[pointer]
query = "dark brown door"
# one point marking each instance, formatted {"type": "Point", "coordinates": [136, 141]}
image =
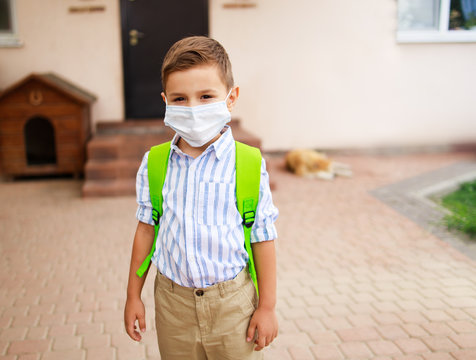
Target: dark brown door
{"type": "Point", "coordinates": [149, 28]}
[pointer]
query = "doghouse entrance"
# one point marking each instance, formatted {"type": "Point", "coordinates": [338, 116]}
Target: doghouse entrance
{"type": "Point", "coordinates": [40, 142]}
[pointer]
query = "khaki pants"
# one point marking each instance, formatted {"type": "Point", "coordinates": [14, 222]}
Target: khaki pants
{"type": "Point", "coordinates": [209, 323]}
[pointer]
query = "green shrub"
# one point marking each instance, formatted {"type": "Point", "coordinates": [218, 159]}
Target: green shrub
{"type": "Point", "coordinates": [462, 204]}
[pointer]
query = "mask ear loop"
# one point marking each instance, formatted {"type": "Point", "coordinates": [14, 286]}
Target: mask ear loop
{"type": "Point", "coordinates": [226, 99]}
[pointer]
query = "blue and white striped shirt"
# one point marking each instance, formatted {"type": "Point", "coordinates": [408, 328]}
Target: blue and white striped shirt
{"type": "Point", "coordinates": [200, 240]}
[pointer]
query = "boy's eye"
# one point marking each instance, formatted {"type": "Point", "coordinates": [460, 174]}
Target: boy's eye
{"type": "Point", "coordinates": [207, 97]}
{"type": "Point", "coordinates": [178, 99]}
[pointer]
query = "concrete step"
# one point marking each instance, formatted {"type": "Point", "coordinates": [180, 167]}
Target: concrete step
{"type": "Point", "coordinates": [109, 187]}
{"type": "Point", "coordinates": [123, 146]}
{"type": "Point", "coordinates": [116, 150]}
{"type": "Point", "coordinates": [111, 169]}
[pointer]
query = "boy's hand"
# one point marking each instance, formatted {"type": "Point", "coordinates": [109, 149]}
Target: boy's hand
{"type": "Point", "coordinates": [266, 323]}
{"type": "Point", "coordinates": [133, 310]}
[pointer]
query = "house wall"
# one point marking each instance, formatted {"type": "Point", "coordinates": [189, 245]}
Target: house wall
{"type": "Point", "coordinates": [329, 74]}
{"type": "Point", "coordinates": [319, 74]}
{"type": "Point", "coordinates": [85, 48]}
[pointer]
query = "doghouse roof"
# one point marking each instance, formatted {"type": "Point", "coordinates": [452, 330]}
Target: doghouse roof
{"type": "Point", "coordinates": [53, 80]}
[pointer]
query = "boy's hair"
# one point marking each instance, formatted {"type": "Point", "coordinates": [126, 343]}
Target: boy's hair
{"type": "Point", "coordinates": [197, 50]}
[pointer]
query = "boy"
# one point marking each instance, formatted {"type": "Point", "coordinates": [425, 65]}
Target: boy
{"type": "Point", "coordinates": [205, 301]}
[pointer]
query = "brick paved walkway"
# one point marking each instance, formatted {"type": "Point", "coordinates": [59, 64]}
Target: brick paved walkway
{"type": "Point", "coordinates": [357, 280]}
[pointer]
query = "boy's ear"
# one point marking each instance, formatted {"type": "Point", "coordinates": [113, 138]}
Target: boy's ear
{"type": "Point", "coordinates": [235, 92]}
{"type": "Point", "coordinates": [163, 96]}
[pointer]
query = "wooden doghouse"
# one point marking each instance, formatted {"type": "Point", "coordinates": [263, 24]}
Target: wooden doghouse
{"type": "Point", "coordinates": [44, 126]}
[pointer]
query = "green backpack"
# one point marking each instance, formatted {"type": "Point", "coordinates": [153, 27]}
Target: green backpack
{"type": "Point", "coordinates": [248, 174]}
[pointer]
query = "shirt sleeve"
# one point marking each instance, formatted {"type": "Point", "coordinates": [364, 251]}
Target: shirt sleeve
{"type": "Point", "coordinates": [144, 209]}
{"type": "Point", "coordinates": [266, 214]}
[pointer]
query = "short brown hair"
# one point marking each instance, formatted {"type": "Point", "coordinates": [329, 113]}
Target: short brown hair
{"type": "Point", "coordinates": [197, 50]}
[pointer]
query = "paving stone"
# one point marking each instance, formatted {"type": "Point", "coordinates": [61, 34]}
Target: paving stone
{"type": "Point", "coordinates": [79, 317]}
{"type": "Point", "coordinates": [463, 326]}
{"type": "Point", "coordinates": [4, 346]}
{"type": "Point", "coordinates": [439, 343]}
{"type": "Point", "coordinates": [358, 334]}
{"type": "Point", "coordinates": [414, 330]}
{"type": "Point", "coordinates": [28, 346]}
{"type": "Point", "coordinates": [5, 322]}
{"type": "Point", "coordinates": [392, 332]}
{"type": "Point", "coordinates": [29, 357]}
{"type": "Point", "coordinates": [64, 354]}
{"type": "Point", "coordinates": [411, 346]}
{"type": "Point", "coordinates": [61, 330]}
{"type": "Point", "coordinates": [336, 310]}
{"type": "Point", "coordinates": [284, 340]}
{"type": "Point", "coordinates": [370, 267]}
{"type": "Point", "coordinates": [335, 323]}
{"type": "Point", "coordinates": [327, 352]}
{"type": "Point", "coordinates": [461, 302]}
{"type": "Point", "coordinates": [30, 320]}
{"type": "Point", "coordinates": [458, 314]}
{"type": "Point", "coordinates": [386, 306]}
{"type": "Point", "coordinates": [41, 309]}
{"type": "Point", "coordinates": [469, 354]}
{"type": "Point", "coordinates": [86, 329]}
{"type": "Point", "coordinates": [52, 319]}
{"type": "Point", "coordinates": [324, 337]}
{"type": "Point", "coordinates": [355, 350]}
{"type": "Point", "coordinates": [106, 353]}
{"type": "Point", "coordinates": [96, 341]}
{"type": "Point", "coordinates": [464, 340]}
{"type": "Point", "coordinates": [412, 317]}
{"type": "Point", "coordinates": [300, 353]}
{"type": "Point", "coordinates": [66, 342]}
{"type": "Point", "coordinates": [436, 304]}
{"type": "Point", "coordinates": [15, 333]}
{"type": "Point", "coordinates": [278, 354]}
{"type": "Point", "coordinates": [37, 333]}
{"type": "Point", "coordinates": [386, 318]}
{"type": "Point", "coordinates": [407, 357]}
{"type": "Point", "coordinates": [437, 328]}
{"type": "Point", "coordinates": [436, 315]}
{"type": "Point", "coordinates": [383, 347]}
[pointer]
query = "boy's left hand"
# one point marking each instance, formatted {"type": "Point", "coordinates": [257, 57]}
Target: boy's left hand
{"type": "Point", "coordinates": [266, 323]}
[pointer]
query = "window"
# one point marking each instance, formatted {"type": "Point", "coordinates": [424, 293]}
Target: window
{"type": "Point", "coordinates": [8, 35]}
{"type": "Point", "coordinates": [436, 21]}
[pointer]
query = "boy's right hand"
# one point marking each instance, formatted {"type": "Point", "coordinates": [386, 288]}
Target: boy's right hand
{"type": "Point", "coordinates": [134, 310]}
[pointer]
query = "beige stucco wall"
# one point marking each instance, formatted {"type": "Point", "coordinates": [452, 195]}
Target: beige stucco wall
{"type": "Point", "coordinates": [83, 47]}
{"type": "Point", "coordinates": [329, 74]}
{"type": "Point", "coordinates": [319, 74]}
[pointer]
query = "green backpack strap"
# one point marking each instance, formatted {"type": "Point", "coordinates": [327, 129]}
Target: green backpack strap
{"type": "Point", "coordinates": [157, 169]}
{"type": "Point", "coordinates": [248, 175]}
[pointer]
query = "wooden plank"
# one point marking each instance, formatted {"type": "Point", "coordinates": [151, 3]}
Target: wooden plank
{"type": "Point", "coordinates": [23, 111]}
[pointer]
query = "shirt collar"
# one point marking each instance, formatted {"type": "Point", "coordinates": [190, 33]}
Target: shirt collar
{"type": "Point", "coordinates": [221, 146]}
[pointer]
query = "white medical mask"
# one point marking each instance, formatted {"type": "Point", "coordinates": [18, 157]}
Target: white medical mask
{"type": "Point", "coordinates": [199, 124]}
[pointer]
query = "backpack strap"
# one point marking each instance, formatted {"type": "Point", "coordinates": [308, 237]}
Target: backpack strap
{"type": "Point", "coordinates": [248, 175]}
{"type": "Point", "coordinates": [156, 169]}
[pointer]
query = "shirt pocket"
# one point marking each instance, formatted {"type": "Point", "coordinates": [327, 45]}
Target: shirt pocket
{"type": "Point", "coordinates": [217, 204]}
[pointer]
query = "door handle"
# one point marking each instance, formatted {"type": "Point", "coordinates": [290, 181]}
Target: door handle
{"type": "Point", "coordinates": [134, 36]}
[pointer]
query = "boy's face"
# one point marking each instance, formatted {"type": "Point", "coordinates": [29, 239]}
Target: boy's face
{"type": "Point", "coordinates": [198, 85]}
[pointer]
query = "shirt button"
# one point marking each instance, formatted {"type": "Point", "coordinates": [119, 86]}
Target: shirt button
{"type": "Point", "coordinates": [199, 292]}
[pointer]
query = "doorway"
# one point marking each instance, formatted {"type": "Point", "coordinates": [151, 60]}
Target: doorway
{"type": "Point", "coordinates": [149, 28]}
{"type": "Point", "coordinates": [39, 136]}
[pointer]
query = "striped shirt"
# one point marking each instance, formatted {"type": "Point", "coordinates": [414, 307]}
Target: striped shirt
{"type": "Point", "coordinates": [201, 240]}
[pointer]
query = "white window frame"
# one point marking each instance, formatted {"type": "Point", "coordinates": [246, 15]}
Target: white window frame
{"type": "Point", "coordinates": [10, 38]}
{"type": "Point", "coordinates": [441, 35]}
